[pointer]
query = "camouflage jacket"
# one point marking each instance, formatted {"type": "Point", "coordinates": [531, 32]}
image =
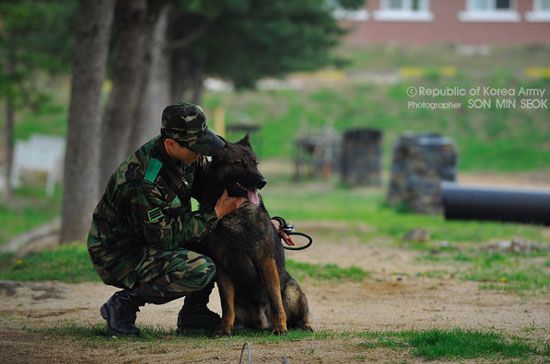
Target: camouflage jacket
{"type": "Point", "coordinates": [146, 206]}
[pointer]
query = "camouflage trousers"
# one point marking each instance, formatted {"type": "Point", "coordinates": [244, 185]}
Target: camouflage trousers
{"type": "Point", "coordinates": [163, 276]}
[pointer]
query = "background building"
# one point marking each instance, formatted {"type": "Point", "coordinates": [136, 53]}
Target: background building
{"type": "Point", "coordinates": [475, 22]}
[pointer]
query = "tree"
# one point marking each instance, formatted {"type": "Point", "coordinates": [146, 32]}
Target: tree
{"type": "Point", "coordinates": [34, 37]}
{"type": "Point", "coordinates": [82, 155]}
{"type": "Point", "coordinates": [154, 94]}
{"type": "Point", "coordinates": [240, 40]}
{"type": "Point", "coordinates": [243, 41]}
{"type": "Point", "coordinates": [133, 27]}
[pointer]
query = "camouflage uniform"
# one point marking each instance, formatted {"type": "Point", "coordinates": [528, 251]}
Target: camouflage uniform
{"type": "Point", "coordinates": [144, 219]}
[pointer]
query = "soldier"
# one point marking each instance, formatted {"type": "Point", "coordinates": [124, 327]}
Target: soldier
{"type": "Point", "coordinates": [143, 221]}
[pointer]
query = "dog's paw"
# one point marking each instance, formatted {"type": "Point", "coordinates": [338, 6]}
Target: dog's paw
{"type": "Point", "coordinates": [306, 327]}
{"type": "Point", "coordinates": [280, 331]}
{"type": "Point", "coordinates": [223, 331]}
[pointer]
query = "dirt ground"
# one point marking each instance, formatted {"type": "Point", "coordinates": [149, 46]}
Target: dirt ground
{"type": "Point", "coordinates": [392, 299]}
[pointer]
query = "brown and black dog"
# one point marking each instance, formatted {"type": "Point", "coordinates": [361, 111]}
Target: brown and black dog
{"type": "Point", "coordinates": [255, 289]}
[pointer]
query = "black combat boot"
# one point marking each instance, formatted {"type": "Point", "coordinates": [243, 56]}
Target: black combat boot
{"type": "Point", "coordinates": [120, 312]}
{"type": "Point", "coordinates": [195, 314]}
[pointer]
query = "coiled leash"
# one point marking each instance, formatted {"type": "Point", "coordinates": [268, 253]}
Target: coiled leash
{"type": "Point", "coordinates": [290, 230]}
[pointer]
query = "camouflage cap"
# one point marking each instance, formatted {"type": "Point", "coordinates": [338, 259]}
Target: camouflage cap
{"type": "Point", "coordinates": [186, 124]}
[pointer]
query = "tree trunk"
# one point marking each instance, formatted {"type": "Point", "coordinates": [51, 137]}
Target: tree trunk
{"type": "Point", "coordinates": [9, 68]}
{"type": "Point", "coordinates": [196, 83]}
{"type": "Point", "coordinates": [186, 72]}
{"type": "Point", "coordinates": [82, 154]}
{"type": "Point", "coordinates": [154, 89]}
{"type": "Point", "coordinates": [187, 78]}
{"type": "Point", "coordinates": [179, 65]}
{"type": "Point", "coordinates": [128, 70]}
{"type": "Point", "coordinates": [8, 147]}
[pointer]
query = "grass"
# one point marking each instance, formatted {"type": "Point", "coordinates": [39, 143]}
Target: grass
{"type": "Point", "coordinates": [29, 208]}
{"type": "Point", "coordinates": [300, 270]}
{"type": "Point", "coordinates": [439, 344]}
{"type": "Point", "coordinates": [68, 263]}
{"type": "Point", "coordinates": [517, 272]}
{"type": "Point", "coordinates": [71, 263]}
{"type": "Point", "coordinates": [325, 202]}
{"type": "Point", "coordinates": [488, 140]}
{"type": "Point", "coordinates": [98, 333]}
{"type": "Point", "coordinates": [501, 59]}
{"type": "Point", "coordinates": [464, 256]}
{"type": "Point", "coordinates": [49, 118]}
{"type": "Point", "coordinates": [435, 344]}
{"type": "Point", "coordinates": [461, 344]}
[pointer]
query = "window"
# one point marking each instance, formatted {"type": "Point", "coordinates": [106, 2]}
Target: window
{"type": "Point", "coordinates": [404, 10]}
{"type": "Point", "coordinates": [540, 13]}
{"type": "Point", "coordinates": [352, 15]}
{"type": "Point", "coordinates": [490, 10]}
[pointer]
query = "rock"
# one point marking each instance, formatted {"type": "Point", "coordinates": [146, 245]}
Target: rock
{"type": "Point", "coordinates": [9, 288]}
{"type": "Point", "coordinates": [49, 292]}
{"type": "Point", "coordinates": [419, 235]}
{"type": "Point", "coordinates": [444, 244]}
{"type": "Point", "coordinates": [516, 245]}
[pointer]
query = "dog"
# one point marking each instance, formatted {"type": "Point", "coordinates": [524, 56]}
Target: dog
{"type": "Point", "coordinates": [255, 289]}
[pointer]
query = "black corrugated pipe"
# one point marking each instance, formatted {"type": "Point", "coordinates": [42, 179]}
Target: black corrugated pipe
{"type": "Point", "coordinates": [489, 203]}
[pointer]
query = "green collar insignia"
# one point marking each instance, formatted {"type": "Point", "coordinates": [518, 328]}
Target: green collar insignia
{"type": "Point", "coordinates": [155, 215]}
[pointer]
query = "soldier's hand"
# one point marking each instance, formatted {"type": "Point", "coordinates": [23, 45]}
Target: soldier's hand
{"type": "Point", "coordinates": [286, 238]}
{"type": "Point", "coordinates": [227, 204]}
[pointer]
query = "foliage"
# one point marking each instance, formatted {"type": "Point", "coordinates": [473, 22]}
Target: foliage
{"type": "Point", "coordinates": [34, 35]}
{"type": "Point", "coordinates": [246, 40]}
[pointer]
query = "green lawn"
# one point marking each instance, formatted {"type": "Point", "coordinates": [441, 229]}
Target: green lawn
{"type": "Point", "coordinates": [30, 208]}
{"type": "Point", "coordinates": [327, 202]}
{"type": "Point", "coordinates": [490, 140]}
{"type": "Point", "coordinates": [494, 140]}
{"type": "Point", "coordinates": [463, 252]}
{"type": "Point", "coordinates": [71, 263]}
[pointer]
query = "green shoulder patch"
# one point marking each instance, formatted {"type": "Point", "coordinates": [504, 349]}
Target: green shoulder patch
{"type": "Point", "coordinates": [153, 169]}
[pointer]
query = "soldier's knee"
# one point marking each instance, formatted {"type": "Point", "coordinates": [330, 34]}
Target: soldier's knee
{"type": "Point", "coordinates": [210, 270]}
{"type": "Point", "coordinates": [201, 270]}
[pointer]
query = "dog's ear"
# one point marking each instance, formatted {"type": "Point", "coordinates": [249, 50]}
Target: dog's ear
{"type": "Point", "coordinates": [245, 140]}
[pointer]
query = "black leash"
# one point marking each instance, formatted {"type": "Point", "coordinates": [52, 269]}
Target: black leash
{"type": "Point", "coordinates": [290, 230]}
